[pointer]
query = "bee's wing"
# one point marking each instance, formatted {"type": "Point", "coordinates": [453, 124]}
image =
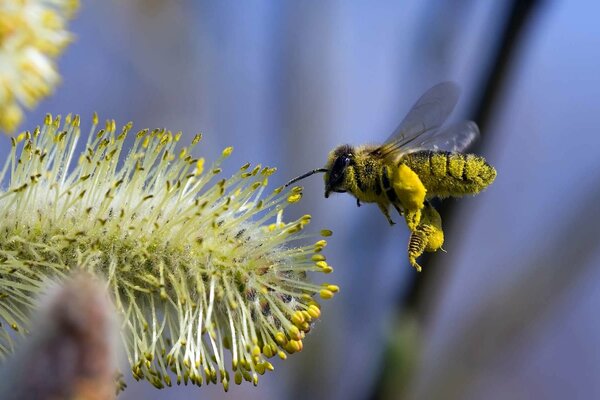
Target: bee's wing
{"type": "Point", "coordinates": [455, 138]}
{"type": "Point", "coordinates": [424, 118]}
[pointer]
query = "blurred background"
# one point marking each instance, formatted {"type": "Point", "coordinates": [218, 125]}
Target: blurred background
{"type": "Point", "coordinates": [510, 311]}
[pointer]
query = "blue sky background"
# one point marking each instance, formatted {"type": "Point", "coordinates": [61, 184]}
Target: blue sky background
{"type": "Point", "coordinates": [284, 82]}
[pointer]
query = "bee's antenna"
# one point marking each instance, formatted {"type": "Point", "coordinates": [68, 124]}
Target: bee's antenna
{"type": "Point", "coordinates": [314, 171]}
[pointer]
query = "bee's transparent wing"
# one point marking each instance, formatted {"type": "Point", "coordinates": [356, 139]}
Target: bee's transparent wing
{"type": "Point", "coordinates": [454, 138]}
{"type": "Point", "coordinates": [424, 118]}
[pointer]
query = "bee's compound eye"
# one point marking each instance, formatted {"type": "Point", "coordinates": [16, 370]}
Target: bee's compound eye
{"type": "Point", "coordinates": [346, 161]}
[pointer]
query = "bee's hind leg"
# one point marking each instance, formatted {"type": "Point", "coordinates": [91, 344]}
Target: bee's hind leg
{"type": "Point", "coordinates": [400, 211]}
{"type": "Point", "coordinates": [385, 211]}
{"type": "Point", "coordinates": [357, 202]}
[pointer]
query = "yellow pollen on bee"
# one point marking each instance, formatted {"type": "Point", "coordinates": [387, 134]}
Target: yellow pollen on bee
{"type": "Point", "coordinates": [408, 187]}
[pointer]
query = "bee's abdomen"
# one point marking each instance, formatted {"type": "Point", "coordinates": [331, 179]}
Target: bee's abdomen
{"type": "Point", "coordinates": [450, 174]}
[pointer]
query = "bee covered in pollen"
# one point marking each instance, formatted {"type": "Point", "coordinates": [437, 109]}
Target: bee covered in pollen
{"type": "Point", "coordinates": [420, 161]}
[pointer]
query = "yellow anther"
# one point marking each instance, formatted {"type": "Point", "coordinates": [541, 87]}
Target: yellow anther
{"type": "Point", "coordinates": [268, 171]}
{"type": "Point", "coordinates": [294, 229]}
{"type": "Point", "coordinates": [199, 167]}
{"type": "Point", "coordinates": [326, 232]}
{"type": "Point", "coordinates": [21, 137]}
{"type": "Point", "coordinates": [197, 138]}
{"type": "Point", "coordinates": [318, 257]}
{"type": "Point", "coordinates": [280, 338]}
{"type": "Point", "coordinates": [294, 198]}
{"type": "Point", "coordinates": [294, 332]}
{"type": "Point", "coordinates": [95, 118]}
{"type": "Point", "coordinates": [292, 346]}
{"type": "Point", "coordinates": [333, 288]}
{"type": "Point", "coordinates": [326, 294]}
{"type": "Point", "coordinates": [247, 376]}
{"type": "Point", "coordinates": [307, 316]}
{"type": "Point", "coordinates": [321, 243]}
{"type": "Point", "coordinates": [260, 368]}
{"type": "Point", "coordinates": [298, 318]}
{"type": "Point", "coordinates": [267, 351]}
{"type": "Point", "coordinates": [227, 151]}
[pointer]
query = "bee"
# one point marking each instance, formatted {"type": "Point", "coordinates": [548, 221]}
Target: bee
{"type": "Point", "coordinates": [421, 160]}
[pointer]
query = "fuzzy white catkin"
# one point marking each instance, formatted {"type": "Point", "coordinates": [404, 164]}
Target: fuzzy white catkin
{"type": "Point", "coordinates": [197, 266]}
{"type": "Point", "coordinates": [33, 33]}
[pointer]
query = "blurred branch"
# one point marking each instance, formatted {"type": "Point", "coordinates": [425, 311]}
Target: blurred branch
{"type": "Point", "coordinates": [519, 15]}
{"type": "Point", "coordinates": [71, 353]}
{"type": "Point", "coordinates": [491, 86]}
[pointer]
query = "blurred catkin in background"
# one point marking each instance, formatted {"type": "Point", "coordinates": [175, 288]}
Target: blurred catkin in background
{"type": "Point", "coordinates": [72, 351]}
{"type": "Point", "coordinates": [33, 33]}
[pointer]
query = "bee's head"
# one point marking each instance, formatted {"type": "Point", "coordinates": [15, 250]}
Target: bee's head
{"type": "Point", "coordinates": [338, 161]}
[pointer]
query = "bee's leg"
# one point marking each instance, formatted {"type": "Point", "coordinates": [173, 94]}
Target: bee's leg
{"type": "Point", "coordinates": [408, 188]}
{"type": "Point", "coordinates": [432, 221]}
{"type": "Point", "coordinates": [427, 236]}
{"type": "Point", "coordinates": [357, 202]}
{"type": "Point", "coordinates": [385, 211]}
{"type": "Point", "coordinates": [413, 219]}
{"type": "Point", "coordinates": [416, 246]}
{"type": "Point", "coordinates": [400, 211]}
